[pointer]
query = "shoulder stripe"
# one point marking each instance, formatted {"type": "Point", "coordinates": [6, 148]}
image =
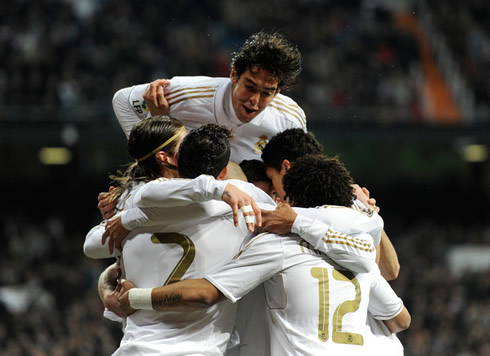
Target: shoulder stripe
{"type": "Point", "coordinates": [335, 237]}
{"type": "Point", "coordinates": [189, 93]}
{"type": "Point", "coordinates": [291, 109]}
{"type": "Point", "coordinates": [192, 97]}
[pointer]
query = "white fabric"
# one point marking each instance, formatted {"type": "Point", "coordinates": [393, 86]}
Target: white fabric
{"type": "Point", "coordinates": [181, 249]}
{"type": "Point", "coordinates": [92, 247]}
{"type": "Point", "coordinates": [347, 220]}
{"type": "Point", "coordinates": [155, 200]}
{"type": "Point", "coordinates": [380, 340]}
{"type": "Point", "coordinates": [200, 100]}
{"type": "Point", "coordinates": [301, 289]}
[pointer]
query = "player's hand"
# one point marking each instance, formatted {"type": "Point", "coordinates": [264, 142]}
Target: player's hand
{"type": "Point", "coordinates": [116, 232]}
{"type": "Point", "coordinates": [239, 200]}
{"type": "Point", "coordinates": [106, 205]}
{"type": "Point", "coordinates": [363, 195]}
{"type": "Point", "coordinates": [111, 302]}
{"type": "Point", "coordinates": [155, 97]}
{"type": "Point", "coordinates": [124, 296]}
{"type": "Point", "coordinates": [279, 221]}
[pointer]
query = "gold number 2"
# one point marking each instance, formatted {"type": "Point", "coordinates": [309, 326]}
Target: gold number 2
{"type": "Point", "coordinates": [187, 257]}
{"type": "Point", "coordinates": [348, 306]}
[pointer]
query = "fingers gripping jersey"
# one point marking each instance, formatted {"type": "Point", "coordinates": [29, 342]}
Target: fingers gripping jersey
{"type": "Point", "coordinates": [200, 100]}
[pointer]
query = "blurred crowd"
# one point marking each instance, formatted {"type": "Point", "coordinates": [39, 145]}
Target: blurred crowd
{"type": "Point", "coordinates": [465, 26]}
{"type": "Point", "coordinates": [49, 303]}
{"type": "Point", "coordinates": [64, 59]}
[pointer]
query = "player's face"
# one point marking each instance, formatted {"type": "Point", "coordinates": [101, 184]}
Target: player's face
{"type": "Point", "coordinates": [276, 178]}
{"type": "Point", "coordinates": [252, 92]}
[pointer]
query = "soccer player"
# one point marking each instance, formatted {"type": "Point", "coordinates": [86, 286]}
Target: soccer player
{"type": "Point", "coordinates": [281, 153]}
{"type": "Point", "coordinates": [249, 102]}
{"type": "Point", "coordinates": [196, 239]}
{"type": "Point", "coordinates": [314, 305]}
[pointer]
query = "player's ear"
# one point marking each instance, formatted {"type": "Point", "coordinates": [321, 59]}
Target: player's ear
{"type": "Point", "coordinates": [233, 76]}
{"type": "Point", "coordinates": [285, 165]}
{"type": "Point", "coordinates": [162, 156]}
{"type": "Point", "coordinates": [223, 173]}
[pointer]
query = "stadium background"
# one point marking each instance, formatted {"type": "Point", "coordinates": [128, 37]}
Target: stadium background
{"type": "Point", "coordinates": [399, 89]}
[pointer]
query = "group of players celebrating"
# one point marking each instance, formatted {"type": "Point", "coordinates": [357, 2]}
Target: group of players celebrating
{"type": "Point", "coordinates": [234, 234]}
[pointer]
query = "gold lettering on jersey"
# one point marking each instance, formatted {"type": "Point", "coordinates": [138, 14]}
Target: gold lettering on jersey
{"type": "Point", "coordinates": [349, 306]}
{"type": "Point", "coordinates": [187, 257]}
{"type": "Point", "coordinates": [260, 144]}
{"type": "Point", "coordinates": [323, 296]}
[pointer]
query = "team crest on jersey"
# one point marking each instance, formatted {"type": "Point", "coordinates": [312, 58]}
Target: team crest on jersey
{"type": "Point", "coordinates": [260, 144]}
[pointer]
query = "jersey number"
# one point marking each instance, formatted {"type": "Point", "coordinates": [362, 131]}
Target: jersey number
{"type": "Point", "coordinates": [188, 256]}
{"type": "Point", "coordinates": [349, 306]}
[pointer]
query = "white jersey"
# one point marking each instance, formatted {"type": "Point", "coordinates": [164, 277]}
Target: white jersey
{"type": "Point", "coordinates": [92, 247]}
{"type": "Point", "coordinates": [315, 307]}
{"type": "Point", "coordinates": [196, 101]}
{"type": "Point", "coordinates": [179, 251]}
{"type": "Point", "coordinates": [380, 340]}
{"type": "Point", "coordinates": [354, 252]}
{"type": "Point", "coordinates": [195, 241]}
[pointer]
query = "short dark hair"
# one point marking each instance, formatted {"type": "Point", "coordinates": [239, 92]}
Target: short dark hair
{"type": "Point", "coordinates": [290, 144]}
{"type": "Point", "coordinates": [205, 150]}
{"type": "Point", "coordinates": [270, 51]}
{"type": "Point", "coordinates": [254, 170]}
{"type": "Point", "coordinates": [316, 180]}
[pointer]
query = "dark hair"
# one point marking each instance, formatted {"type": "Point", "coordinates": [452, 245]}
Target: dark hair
{"type": "Point", "coordinates": [316, 180]}
{"type": "Point", "coordinates": [205, 150]}
{"type": "Point", "coordinates": [272, 52]}
{"type": "Point", "coordinates": [290, 144]}
{"type": "Point", "coordinates": [147, 135]}
{"type": "Point", "coordinates": [254, 170]}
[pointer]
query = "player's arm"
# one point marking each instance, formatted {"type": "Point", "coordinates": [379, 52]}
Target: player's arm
{"type": "Point", "coordinates": [128, 105]}
{"type": "Point", "coordinates": [387, 258]}
{"type": "Point", "coordinates": [400, 322]}
{"type": "Point", "coordinates": [186, 295]}
{"type": "Point", "coordinates": [232, 281]}
{"type": "Point", "coordinates": [172, 193]}
{"type": "Point", "coordinates": [109, 290]}
{"type": "Point", "coordinates": [138, 102]}
{"type": "Point", "coordinates": [94, 245]}
{"type": "Point", "coordinates": [385, 305]}
{"type": "Point", "coordinates": [356, 252]}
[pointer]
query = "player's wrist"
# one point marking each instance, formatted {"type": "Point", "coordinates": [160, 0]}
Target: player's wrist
{"type": "Point", "coordinates": [140, 298]}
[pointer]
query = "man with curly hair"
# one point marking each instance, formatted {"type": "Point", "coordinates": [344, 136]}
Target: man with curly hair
{"type": "Point", "coordinates": [249, 101]}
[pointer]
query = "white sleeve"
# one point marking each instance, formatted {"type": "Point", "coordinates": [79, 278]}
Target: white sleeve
{"type": "Point", "coordinates": [384, 304]}
{"type": "Point", "coordinates": [356, 252]}
{"type": "Point", "coordinates": [258, 261]}
{"type": "Point", "coordinates": [179, 192]}
{"type": "Point", "coordinates": [192, 213]}
{"type": "Point", "coordinates": [128, 105]}
{"type": "Point", "coordinates": [93, 248]}
{"type": "Point", "coordinates": [347, 220]}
